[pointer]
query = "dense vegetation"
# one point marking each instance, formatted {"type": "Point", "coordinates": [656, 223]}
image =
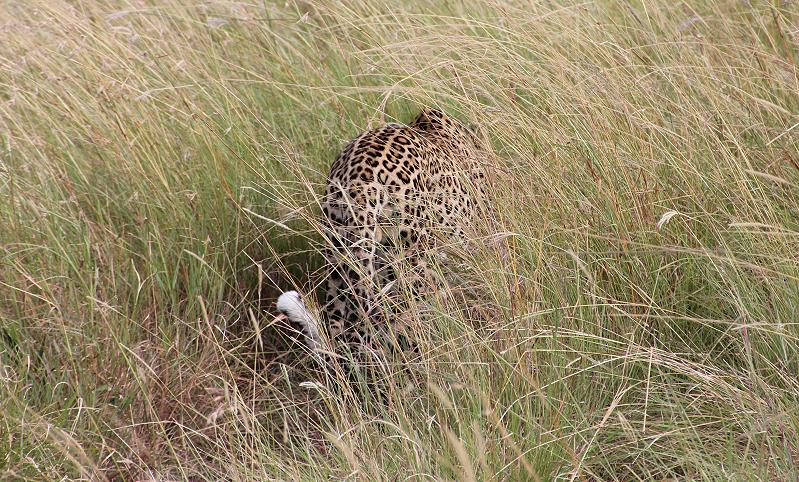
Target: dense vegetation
{"type": "Point", "coordinates": [159, 166]}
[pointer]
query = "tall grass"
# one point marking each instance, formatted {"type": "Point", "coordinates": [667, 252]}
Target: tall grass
{"type": "Point", "coordinates": [159, 168]}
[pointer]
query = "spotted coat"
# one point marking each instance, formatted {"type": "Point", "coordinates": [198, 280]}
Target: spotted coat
{"type": "Point", "coordinates": [393, 194]}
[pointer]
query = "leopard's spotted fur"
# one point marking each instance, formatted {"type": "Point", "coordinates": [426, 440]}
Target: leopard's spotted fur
{"type": "Point", "coordinates": [392, 194]}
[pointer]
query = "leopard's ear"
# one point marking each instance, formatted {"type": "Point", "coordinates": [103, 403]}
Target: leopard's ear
{"type": "Point", "coordinates": [432, 113]}
{"type": "Point", "coordinates": [430, 117]}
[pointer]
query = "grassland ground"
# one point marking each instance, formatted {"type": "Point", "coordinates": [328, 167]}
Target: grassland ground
{"type": "Point", "coordinates": [160, 166]}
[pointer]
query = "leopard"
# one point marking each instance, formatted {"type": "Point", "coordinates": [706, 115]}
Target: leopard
{"type": "Point", "coordinates": [393, 195]}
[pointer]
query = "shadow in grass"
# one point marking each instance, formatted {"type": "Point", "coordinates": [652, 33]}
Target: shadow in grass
{"type": "Point", "coordinates": [286, 263]}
